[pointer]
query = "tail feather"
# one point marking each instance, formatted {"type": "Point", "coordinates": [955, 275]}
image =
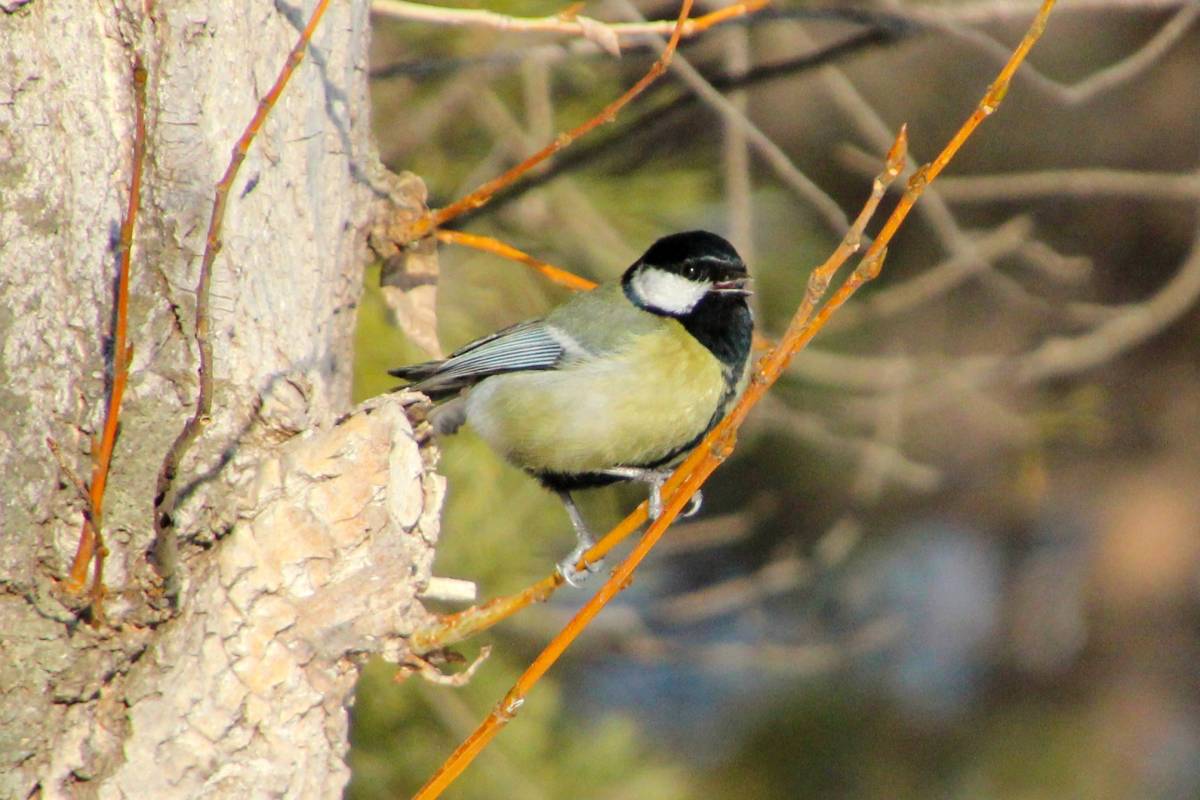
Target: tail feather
{"type": "Point", "coordinates": [425, 378]}
{"type": "Point", "coordinates": [416, 372]}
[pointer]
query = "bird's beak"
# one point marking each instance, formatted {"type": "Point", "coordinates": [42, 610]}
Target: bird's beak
{"type": "Point", "coordinates": [735, 286]}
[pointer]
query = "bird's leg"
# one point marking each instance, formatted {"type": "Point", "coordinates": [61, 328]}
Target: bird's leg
{"type": "Point", "coordinates": [655, 478]}
{"type": "Point", "coordinates": [586, 541]}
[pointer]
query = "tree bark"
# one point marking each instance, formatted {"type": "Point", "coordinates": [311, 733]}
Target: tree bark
{"type": "Point", "coordinates": [300, 553]}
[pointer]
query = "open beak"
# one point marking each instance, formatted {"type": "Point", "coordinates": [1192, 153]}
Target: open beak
{"type": "Point", "coordinates": [735, 286]}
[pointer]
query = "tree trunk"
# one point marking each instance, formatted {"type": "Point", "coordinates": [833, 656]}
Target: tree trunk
{"type": "Point", "coordinates": [299, 553]}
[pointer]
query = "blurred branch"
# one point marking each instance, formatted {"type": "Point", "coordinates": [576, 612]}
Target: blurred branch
{"type": "Point", "coordinates": [1100, 81]}
{"type": "Point", "coordinates": [898, 298]}
{"type": "Point", "coordinates": [1117, 330]}
{"type": "Point", "coordinates": [1135, 323]}
{"type": "Point", "coordinates": [889, 459]}
{"type": "Point", "coordinates": [1134, 64]}
{"type": "Point", "coordinates": [1042, 184]}
{"type": "Point", "coordinates": [606, 34]}
{"type": "Point", "coordinates": [877, 462]}
{"type": "Point", "coordinates": [980, 11]}
{"type": "Point", "coordinates": [1057, 267]}
{"type": "Point", "coordinates": [735, 153]}
{"type": "Point", "coordinates": [812, 658]}
{"type": "Point", "coordinates": [778, 575]}
{"type": "Point", "coordinates": [1018, 186]}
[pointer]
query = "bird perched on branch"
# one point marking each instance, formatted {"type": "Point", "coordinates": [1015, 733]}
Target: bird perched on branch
{"type": "Point", "coordinates": [616, 384]}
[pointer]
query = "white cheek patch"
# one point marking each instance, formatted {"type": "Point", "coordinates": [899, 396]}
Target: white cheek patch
{"type": "Point", "coordinates": [667, 291]}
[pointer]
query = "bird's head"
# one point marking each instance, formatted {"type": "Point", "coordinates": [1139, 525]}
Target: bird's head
{"type": "Point", "coordinates": [680, 271]}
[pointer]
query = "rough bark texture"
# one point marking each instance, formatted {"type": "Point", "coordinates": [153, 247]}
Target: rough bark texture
{"type": "Point", "coordinates": [294, 555]}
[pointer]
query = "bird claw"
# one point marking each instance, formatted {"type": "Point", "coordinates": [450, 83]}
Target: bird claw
{"type": "Point", "coordinates": [570, 571]}
{"type": "Point", "coordinates": [654, 504]}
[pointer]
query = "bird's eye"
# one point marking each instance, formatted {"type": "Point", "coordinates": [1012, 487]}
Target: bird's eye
{"type": "Point", "coordinates": [691, 272]}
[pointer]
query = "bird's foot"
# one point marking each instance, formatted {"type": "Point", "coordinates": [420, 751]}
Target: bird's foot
{"type": "Point", "coordinates": [655, 503]}
{"type": "Point", "coordinates": [569, 566]}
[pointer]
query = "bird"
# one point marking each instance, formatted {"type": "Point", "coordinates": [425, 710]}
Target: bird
{"type": "Point", "coordinates": [619, 383]}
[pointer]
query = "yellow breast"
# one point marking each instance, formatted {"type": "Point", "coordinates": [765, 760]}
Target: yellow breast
{"type": "Point", "coordinates": [631, 408]}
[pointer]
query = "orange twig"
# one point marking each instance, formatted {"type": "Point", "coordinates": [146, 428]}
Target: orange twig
{"type": "Point", "coordinates": [489, 244]}
{"type": "Point", "coordinates": [165, 545]}
{"type": "Point", "coordinates": [91, 542]}
{"type": "Point", "coordinates": [484, 193]}
{"type": "Point", "coordinates": [719, 443]}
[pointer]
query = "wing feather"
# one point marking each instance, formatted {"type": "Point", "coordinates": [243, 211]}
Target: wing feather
{"type": "Point", "coordinates": [530, 345]}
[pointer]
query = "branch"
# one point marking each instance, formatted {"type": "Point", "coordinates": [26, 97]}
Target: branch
{"type": "Point", "coordinates": [1051, 183]}
{"type": "Point", "coordinates": [165, 496]}
{"type": "Point", "coordinates": [606, 34]}
{"type": "Point", "coordinates": [1135, 323]}
{"type": "Point", "coordinates": [91, 541]}
{"type": "Point", "coordinates": [492, 245]}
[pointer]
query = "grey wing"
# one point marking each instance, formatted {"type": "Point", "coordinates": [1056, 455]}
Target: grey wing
{"type": "Point", "coordinates": [530, 345]}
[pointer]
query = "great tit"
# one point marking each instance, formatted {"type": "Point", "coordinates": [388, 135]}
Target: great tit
{"type": "Point", "coordinates": [619, 383]}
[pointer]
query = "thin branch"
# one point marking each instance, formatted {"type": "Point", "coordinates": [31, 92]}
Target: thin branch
{"type": "Point", "coordinates": [1040, 185]}
{"type": "Point", "coordinates": [165, 498]}
{"type": "Point", "coordinates": [605, 34]}
{"type": "Point", "coordinates": [489, 244]}
{"type": "Point", "coordinates": [735, 152]}
{"type": "Point", "coordinates": [719, 443]}
{"type": "Point", "coordinates": [80, 486]}
{"type": "Point", "coordinates": [977, 12]}
{"type": "Point", "coordinates": [891, 460]}
{"type": "Point", "coordinates": [778, 575]}
{"type": "Point", "coordinates": [943, 276]}
{"type": "Point", "coordinates": [1136, 323]}
{"type": "Point", "coordinates": [91, 540]}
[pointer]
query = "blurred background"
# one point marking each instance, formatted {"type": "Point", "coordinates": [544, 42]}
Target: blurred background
{"type": "Point", "coordinates": [957, 552]}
